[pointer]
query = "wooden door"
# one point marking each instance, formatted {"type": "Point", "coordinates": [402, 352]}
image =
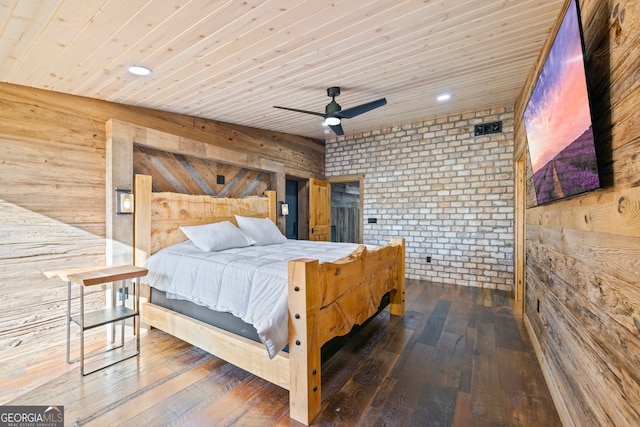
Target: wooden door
{"type": "Point", "coordinates": [291, 199]}
{"type": "Point", "coordinates": [319, 210]}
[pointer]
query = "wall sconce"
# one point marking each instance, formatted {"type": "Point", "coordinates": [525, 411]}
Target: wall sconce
{"type": "Point", "coordinates": [284, 209]}
{"type": "Point", "coordinates": [124, 202]}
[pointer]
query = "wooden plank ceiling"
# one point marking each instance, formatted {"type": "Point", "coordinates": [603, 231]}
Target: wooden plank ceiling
{"type": "Point", "coordinates": [233, 60]}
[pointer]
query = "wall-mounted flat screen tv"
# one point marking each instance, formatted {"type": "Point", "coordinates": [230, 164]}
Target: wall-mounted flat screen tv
{"type": "Point", "coordinates": [558, 119]}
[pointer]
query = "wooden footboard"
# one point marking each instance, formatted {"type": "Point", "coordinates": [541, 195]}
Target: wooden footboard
{"type": "Point", "coordinates": [327, 300]}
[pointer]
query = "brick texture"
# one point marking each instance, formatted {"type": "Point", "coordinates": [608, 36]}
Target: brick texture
{"type": "Point", "coordinates": [446, 191]}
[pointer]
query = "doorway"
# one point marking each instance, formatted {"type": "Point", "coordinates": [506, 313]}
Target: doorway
{"type": "Point", "coordinates": [291, 198]}
{"type": "Point", "coordinates": [346, 208]}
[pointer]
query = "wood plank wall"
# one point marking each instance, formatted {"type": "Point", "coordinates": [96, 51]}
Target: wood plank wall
{"type": "Point", "coordinates": [52, 199]}
{"type": "Point", "coordinates": [582, 297]}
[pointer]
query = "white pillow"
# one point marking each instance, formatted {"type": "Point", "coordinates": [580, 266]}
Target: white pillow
{"type": "Point", "coordinates": [217, 236]}
{"type": "Point", "coordinates": [262, 230]}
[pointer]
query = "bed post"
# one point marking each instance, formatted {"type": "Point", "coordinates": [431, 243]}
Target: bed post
{"type": "Point", "coordinates": [141, 218]}
{"type": "Point", "coordinates": [304, 347]}
{"type": "Point", "coordinates": [396, 305]}
{"type": "Point", "coordinates": [273, 205]}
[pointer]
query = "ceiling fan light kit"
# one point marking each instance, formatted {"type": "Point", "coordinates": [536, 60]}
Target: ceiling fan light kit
{"type": "Point", "coordinates": [334, 113]}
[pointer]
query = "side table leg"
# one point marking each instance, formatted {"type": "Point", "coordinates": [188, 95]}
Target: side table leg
{"type": "Point", "coordinates": [68, 322]}
{"type": "Point", "coordinates": [136, 319]}
{"type": "Point", "coordinates": [82, 330]}
{"type": "Point", "coordinates": [114, 303]}
{"type": "Point", "coordinates": [123, 285]}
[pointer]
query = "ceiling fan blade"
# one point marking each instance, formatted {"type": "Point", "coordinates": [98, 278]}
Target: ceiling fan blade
{"type": "Point", "coordinates": [300, 111]}
{"type": "Point", "coordinates": [337, 129]}
{"type": "Point", "coordinates": [360, 109]}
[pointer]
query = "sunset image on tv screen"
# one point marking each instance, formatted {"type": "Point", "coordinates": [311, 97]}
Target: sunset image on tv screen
{"type": "Point", "coordinates": [558, 120]}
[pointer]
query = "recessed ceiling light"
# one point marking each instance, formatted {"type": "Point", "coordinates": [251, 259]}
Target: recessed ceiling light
{"type": "Point", "coordinates": [139, 70]}
{"type": "Point", "coordinates": [444, 97]}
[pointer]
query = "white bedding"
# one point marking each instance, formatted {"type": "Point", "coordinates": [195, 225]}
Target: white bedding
{"type": "Point", "coordinates": [249, 282]}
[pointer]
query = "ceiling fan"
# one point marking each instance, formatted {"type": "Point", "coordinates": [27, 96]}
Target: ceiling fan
{"type": "Point", "coordinates": [333, 112]}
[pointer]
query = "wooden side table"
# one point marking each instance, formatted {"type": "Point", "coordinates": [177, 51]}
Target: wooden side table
{"type": "Point", "coordinates": [109, 315]}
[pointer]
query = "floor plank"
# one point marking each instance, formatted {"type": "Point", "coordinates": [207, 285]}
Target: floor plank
{"type": "Point", "coordinates": [460, 356]}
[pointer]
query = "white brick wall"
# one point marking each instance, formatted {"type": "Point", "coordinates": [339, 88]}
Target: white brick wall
{"type": "Point", "coordinates": [449, 193]}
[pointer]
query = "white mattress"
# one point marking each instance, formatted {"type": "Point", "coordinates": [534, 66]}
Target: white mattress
{"type": "Point", "coordinates": [249, 282]}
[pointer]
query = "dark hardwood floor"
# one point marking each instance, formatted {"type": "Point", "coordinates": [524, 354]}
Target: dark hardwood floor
{"type": "Point", "coordinates": [460, 356]}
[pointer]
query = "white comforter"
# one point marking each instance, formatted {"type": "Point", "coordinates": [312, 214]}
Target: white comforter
{"type": "Point", "coordinates": [249, 282]}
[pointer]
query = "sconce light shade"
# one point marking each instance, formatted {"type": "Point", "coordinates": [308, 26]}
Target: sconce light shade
{"type": "Point", "coordinates": [124, 202]}
{"type": "Point", "coordinates": [284, 209]}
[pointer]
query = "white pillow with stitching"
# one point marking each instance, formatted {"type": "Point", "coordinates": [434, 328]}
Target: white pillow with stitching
{"type": "Point", "coordinates": [217, 236]}
{"type": "Point", "coordinates": [262, 230]}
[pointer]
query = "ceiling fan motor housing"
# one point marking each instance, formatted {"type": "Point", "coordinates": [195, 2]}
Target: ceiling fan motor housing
{"type": "Point", "coordinates": [333, 106]}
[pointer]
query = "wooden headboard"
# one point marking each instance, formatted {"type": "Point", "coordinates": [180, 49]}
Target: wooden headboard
{"type": "Point", "coordinates": [158, 216]}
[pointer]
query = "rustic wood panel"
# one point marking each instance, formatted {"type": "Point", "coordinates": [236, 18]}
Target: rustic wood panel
{"type": "Point", "coordinates": [564, 373]}
{"type": "Point", "coordinates": [583, 254]}
{"type": "Point", "coordinates": [179, 173]}
{"type": "Point", "coordinates": [169, 211]}
{"type": "Point", "coordinates": [353, 287]}
{"type": "Point", "coordinates": [346, 222]}
{"type": "Point", "coordinates": [614, 212]}
{"type": "Point", "coordinates": [347, 205]}
{"type": "Point", "coordinates": [52, 197]}
{"type": "Point", "coordinates": [205, 169]}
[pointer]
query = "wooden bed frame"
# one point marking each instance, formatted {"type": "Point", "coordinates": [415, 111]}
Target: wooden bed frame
{"type": "Point", "coordinates": [325, 300]}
